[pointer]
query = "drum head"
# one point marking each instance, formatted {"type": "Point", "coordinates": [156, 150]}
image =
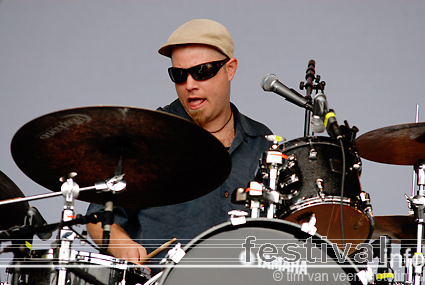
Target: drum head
{"type": "Point", "coordinates": [261, 251]}
{"type": "Point", "coordinates": [357, 225]}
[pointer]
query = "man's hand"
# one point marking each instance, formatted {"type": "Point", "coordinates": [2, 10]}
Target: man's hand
{"type": "Point", "coordinates": [120, 244]}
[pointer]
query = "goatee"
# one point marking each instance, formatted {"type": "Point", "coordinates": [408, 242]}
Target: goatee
{"type": "Point", "coordinates": [198, 117]}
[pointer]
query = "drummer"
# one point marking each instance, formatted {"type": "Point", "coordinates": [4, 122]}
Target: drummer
{"type": "Point", "coordinates": [203, 67]}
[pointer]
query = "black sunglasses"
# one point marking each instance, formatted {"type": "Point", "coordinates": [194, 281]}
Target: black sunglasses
{"type": "Point", "coordinates": [199, 72]}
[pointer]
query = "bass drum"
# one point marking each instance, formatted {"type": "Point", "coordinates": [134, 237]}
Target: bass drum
{"type": "Point", "coordinates": [317, 191]}
{"type": "Point", "coordinates": [41, 268]}
{"type": "Point", "coordinates": [260, 251]}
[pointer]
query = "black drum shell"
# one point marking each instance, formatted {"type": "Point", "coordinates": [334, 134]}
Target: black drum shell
{"type": "Point", "coordinates": [327, 166]}
{"type": "Point", "coordinates": [326, 205]}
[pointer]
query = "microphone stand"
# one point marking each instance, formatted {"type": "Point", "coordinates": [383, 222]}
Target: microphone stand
{"type": "Point", "coordinates": [19, 232]}
{"type": "Point", "coordinates": [310, 86]}
{"type": "Point", "coordinates": [115, 184]}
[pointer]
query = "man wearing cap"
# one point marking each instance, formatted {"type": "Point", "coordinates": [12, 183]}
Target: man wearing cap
{"type": "Point", "coordinates": [203, 66]}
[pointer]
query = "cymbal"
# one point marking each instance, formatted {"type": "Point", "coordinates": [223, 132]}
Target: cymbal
{"type": "Point", "coordinates": [400, 144]}
{"type": "Point", "coordinates": [397, 227]}
{"type": "Point", "coordinates": [165, 159]}
{"type": "Point", "coordinates": [12, 214]}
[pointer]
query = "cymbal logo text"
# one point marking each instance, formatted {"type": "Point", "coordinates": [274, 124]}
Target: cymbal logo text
{"type": "Point", "coordinates": [73, 119]}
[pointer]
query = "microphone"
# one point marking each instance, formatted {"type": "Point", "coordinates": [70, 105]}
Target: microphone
{"type": "Point", "coordinates": [269, 82]}
{"type": "Point", "coordinates": [107, 220]}
{"type": "Point", "coordinates": [332, 126]}
{"type": "Point", "coordinates": [35, 219]}
{"type": "Point", "coordinates": [320, 108]}
{"type": "Point", "coordinates": [324, 118]}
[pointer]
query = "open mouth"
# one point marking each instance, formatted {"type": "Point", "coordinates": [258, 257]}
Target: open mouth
{"type": "Point", "coordinates": [195, 103]}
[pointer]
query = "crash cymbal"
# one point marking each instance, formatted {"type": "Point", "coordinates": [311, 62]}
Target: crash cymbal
{"type": "Point", "coordinates": [12, 214]}
{"type": "Point", "coordinates": [397, 227]}
{"type": "Point", "coordinates": [165, 159]}
{"type": "Point", "coordinates": [400, 144]}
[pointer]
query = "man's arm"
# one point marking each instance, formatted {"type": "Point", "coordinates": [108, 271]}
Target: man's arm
{"type": "Point", "coordinates": [120, 244]}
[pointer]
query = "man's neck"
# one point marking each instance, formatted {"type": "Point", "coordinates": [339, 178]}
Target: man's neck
{"type": "Point", "coordinates": [227, 134]}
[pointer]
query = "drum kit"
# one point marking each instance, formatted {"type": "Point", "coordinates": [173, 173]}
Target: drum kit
{"type": "Point", "coordinates": [111, 149]}
{"type": "Point", "coordinates": [309, 219]}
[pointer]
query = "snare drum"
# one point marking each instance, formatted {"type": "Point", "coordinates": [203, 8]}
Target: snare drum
{"type": "Point", "coordinates": [318, 191]}
{"type": "Point", "coordinates": [41, 268]}
{"type": "Point", "coordinates": [260, 251]}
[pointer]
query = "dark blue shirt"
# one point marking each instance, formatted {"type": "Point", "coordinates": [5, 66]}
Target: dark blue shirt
{"type": "Point", "coordinates": [153, 226]}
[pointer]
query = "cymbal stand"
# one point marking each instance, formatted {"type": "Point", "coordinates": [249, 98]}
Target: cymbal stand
{"type": "Point", "coordinates": [42, 196]}
{"type": "Point", "coordinates": [382, 250]}
{"type": "Point", "coordinates": [70, 191]}
{"type": "Point", "coordinates": [414, 170]}
{"type": "Point", "coordinates": [114, 184]}
{"type": "Point", "coordinates": [417, 204]}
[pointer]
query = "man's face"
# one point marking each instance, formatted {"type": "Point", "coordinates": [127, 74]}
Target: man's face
{"type": "Point", "coordinates": [207, 100]}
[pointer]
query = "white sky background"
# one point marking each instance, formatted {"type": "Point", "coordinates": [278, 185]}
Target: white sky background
{"type": "Point", "coordinates": [57, 55]}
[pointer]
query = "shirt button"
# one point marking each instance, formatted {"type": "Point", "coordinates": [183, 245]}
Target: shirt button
{"type": "Point", "coordinates": [226, 194]}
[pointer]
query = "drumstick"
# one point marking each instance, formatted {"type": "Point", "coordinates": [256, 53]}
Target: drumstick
{"type": "Point", "coordinates": [158, 250]}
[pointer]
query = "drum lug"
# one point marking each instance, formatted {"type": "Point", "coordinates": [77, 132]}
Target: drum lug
{"type": "Point", "coordinates": [288, 177]}
{"type": "Point", "coordinates": [364, 197]}
{"type": "Point", "coordinates": [174, 255]}
{"type": "Point", "coordinates": [366, 276]}
{"type": "Point", "coordinates": [357, 167]}
{"type": "Point", "coordinates": [358, 163]}
{"type": "Point", "coordinates": [313, 154]}
{"type": "Point", "coordinates": [309, 227]}
{"type": "Point", "coordinates": [237, 217]}
{"type": "Point", "coordinates": [319, 185]}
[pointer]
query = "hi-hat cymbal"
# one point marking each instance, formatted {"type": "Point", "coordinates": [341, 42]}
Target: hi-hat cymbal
{"type": "Point", "coordinates": [400, 144]}
{"type": "Point", "coordinates": [397, 227]}
{"type": "Point", "coordinates": [12, 214]}
{"type": "Point", "coordinates": [166, 159]}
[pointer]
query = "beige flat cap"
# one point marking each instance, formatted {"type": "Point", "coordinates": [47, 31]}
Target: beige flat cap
{"type": "Point", "coordinates": [200, 31]}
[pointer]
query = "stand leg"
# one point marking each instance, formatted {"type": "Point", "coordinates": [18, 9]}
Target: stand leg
{"type": "Point", "coordinates": [418, 204]}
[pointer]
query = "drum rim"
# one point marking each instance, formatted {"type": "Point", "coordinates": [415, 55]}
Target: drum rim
{"type": "Point", "coordinates": [88, 259]}
{"type": "Point", "coordinates": [80, 253]}
{"type": "Point", "coordinates": [313, 139]}
{"type": "Point", "coordinates": [328, 200]}
{"type": "Point", "coordinates": [123, 269]}
{"type": "Point", "coordinates": [251, 222]}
